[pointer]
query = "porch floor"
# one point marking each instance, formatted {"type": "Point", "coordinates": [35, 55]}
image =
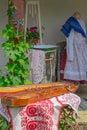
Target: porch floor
{"type": "Point", "coordinates": [82, 92]}
{"type": "Point", "coordinates": [82, 112]}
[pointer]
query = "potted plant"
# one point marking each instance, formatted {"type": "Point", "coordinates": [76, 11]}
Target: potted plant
{"type": "Point", "coordinates": [33, 35]}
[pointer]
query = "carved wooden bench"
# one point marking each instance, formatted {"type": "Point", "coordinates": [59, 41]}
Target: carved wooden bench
{"type": "Point", "coordinates": [27, 94]}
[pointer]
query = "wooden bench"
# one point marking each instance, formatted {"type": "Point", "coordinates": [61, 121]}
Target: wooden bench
{"type": "Point", "coordinates": [23, 95]}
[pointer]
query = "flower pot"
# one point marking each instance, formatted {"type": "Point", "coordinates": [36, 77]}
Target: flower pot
{"type": "Point", "coordinates": [35, 41]}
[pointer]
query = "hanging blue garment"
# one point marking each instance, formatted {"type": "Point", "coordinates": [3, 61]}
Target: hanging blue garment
{"type": "Point", "coordinates": [72, 23]}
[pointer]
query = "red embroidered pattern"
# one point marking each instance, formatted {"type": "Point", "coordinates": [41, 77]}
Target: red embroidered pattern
{"type": "Point", "coordinates": [37, 116]}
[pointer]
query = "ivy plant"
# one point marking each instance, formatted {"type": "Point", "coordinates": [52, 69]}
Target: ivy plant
{"type": "Point", "coordinates": [17, 68]}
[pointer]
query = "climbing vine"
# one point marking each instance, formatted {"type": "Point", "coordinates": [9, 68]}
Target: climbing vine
{"type": "Point", "coordinates": [14, 47]}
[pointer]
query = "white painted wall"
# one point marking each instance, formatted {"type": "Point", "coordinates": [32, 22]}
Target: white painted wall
{"type": "Point", "coordinates": [55, 12]}
{"type": "Point", "coordinates": [3, 22]}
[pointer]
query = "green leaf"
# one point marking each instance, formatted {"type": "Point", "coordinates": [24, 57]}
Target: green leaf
{"type": "Point", "coordinates": [20, 48]}
{"type": "Point", "coordinates": [11, 54]}
{"type": "Point", "coordinates": [7, 31]}
{"type": "Point", "coordinates": [17, 80]}
{"type": "Point", "coordinates": [70, 120]}
{"type": "Point", "coordinates": [7, 46]}
{"type": "Point", "coordinates": [26, 82]}
{"type": "Point", "coordinates": [24, 74]}
{"type": "Point", "coordinates": [10, 67]}
{"type": "Point", "coordinates": [2, 81]}
{"type": "Point", "coordinates": [3, 123]}
{"type": "Point", "coordinates": [21, 61]}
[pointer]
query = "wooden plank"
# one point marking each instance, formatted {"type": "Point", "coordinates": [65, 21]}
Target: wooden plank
{"type": "Point", "coordinates": [37, 93]}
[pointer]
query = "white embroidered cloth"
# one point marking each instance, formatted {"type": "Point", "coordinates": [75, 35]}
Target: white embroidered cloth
{"type": "Point", "coordinates": [37, 65]}
{"type": "Point", "coordinates": [70, 99]}
{"type": "Point", "coordinates": [43, 115]}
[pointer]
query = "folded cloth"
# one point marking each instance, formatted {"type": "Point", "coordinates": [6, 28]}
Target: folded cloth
{"type": "Point", "coordinates": [4, 112]}
{"type": "Point", "coordinates": [72, 23]}
{"type": "Point", "coordinates": [70, 99]}
{"type": "Point", "coordinates": [43, 115]}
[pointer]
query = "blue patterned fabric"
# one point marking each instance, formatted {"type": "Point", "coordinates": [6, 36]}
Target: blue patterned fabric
{"type": "Point", "coordinates": [70, 24]}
